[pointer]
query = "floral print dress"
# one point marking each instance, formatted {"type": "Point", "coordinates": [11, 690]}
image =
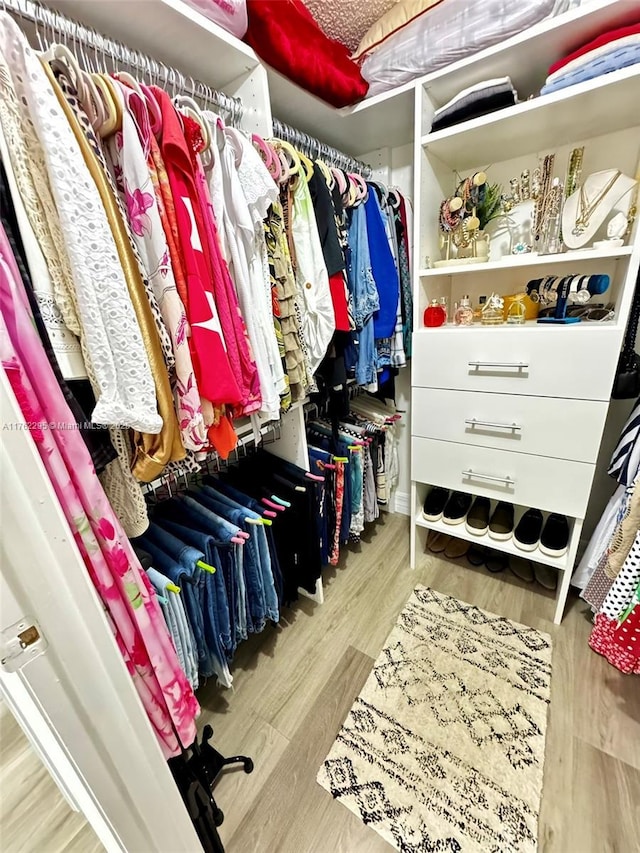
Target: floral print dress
{"type": "Point", "coordinates": [126, 594]}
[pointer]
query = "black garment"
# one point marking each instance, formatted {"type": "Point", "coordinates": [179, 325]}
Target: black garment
{"type": "Point", "coordinates": [476, 104]}
{"type": "Point", "coordinates": [295, 529]}
{"type": "Point", "coordinates": [326, 220]}
{"type": "Point", "coordinates": [80, 398]}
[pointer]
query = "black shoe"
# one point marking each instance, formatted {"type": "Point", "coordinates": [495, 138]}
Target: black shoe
{"type": "Point", "coordinates": [527, 533]}
{"type": "Point", "coordinates": [477, 555]}
{"type": "Point", "coordinates": [555, 536]}
{"type": "Point", "coordinates": [478, 518]}
{"type": "Point", "coordinates": [434, 503]}
{"type": "Point", "coordinates": [457, 508]}
{"type": "Point", "coordinates": [501, 524]}
{"type": "Point", "coordinates": [497, 561]}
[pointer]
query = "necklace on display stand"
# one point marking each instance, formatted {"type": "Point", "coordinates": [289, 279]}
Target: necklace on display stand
{"type": "Point", "coordinates": [586, 209]}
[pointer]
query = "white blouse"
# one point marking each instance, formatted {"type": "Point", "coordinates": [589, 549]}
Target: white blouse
{"type": "Point", "coordinates": [110, 329]}
{"type": "Point", "coordinates": [65, 345]}
{"type": "Point", "coordinates": [245, 261]}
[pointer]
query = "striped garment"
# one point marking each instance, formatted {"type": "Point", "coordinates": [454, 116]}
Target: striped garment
{"type": "Point", "coordinates": [625, 461]}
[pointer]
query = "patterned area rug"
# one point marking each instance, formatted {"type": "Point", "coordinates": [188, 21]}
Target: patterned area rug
{"type": "Point", "coordinates": [444, 748]}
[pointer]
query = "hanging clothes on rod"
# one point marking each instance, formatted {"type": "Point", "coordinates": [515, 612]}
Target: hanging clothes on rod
{"type": "Point", "coordinates": [357, 455]}
{"type": "Point", "coordinates": [363, 229]}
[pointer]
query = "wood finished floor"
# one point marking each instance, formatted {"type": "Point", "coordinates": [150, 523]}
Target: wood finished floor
{"type": "Point", "coordinates": [293, 687]}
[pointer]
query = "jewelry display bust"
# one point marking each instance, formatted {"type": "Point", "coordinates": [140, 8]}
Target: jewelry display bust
{"type": "Point", "coordinates": [587, 208]}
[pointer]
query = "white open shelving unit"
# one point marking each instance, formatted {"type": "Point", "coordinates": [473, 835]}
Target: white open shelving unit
{"type": "Point", "coordinates": [549, 380]}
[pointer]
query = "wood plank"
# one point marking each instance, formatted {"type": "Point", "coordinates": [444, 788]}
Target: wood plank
{"type": "Point", "coordinates": [293, 807]}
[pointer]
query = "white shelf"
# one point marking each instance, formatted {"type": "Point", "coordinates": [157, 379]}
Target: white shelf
{"type": "Point", "coordinates": [530, 260]}
{"type": "Point", "coordinates": [526, 56]}
{"type": "Point", "coordinates": [385, 121]}
{"type": "Point", "coordinates": [170, 31]}
{"type": "Point", "coordinates": [549, 121]}
{"type": "Point", "coordinates": [508, 547]}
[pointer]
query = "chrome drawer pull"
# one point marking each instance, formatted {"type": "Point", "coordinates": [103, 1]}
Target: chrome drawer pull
{"type": "Point", "coordinates": [512, 365]}
{"type": "Point", "coordinates": [508, 480]}
{"type": "Point", "coordinates": [473, 422]}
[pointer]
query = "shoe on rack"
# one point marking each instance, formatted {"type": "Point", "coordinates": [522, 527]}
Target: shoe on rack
{"type": "Point", "coordinates": [546, 576]}
{"type": "Point", "coordinates": [477, 521]}
{"type": "Point", "coordinates": [555, 536]}
{"type": "Point", "coordinates": [434, 503]}
{"type": "Point", "coordinates": [437, 542]}
{"type": "Point", "coordinates": [522, 568]}
{"type": "Point", "coordinates": [457, 508]}
{"type": "Point", "coordinates": [501, 524]}
{"type": "Point", "coordinates": [497, 561]}
{"type": "Point", "coordinates": [477, 555]}
{"type": "Point", "coordinates": [456, 548]}
{"type": "Point", "coordinates": [528, 530]}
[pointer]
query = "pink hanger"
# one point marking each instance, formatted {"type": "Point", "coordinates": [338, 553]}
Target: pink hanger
{"type": "Point", "coordinates": [361, 185]}
{"type": "Point", "coordinates": [272, 505]}
{"type": "Point", "coordinates": [269, 514]}
{"type": "Point", "coordinates": [338, 174]}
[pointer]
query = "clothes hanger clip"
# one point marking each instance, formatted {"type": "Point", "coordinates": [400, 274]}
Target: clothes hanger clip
{"type": "Point", "coordinates": [344, 459]}
{"type": "Point", "coordinates": [278, 500]}
{"type": "Point", "coordinates": [268, 513]}
{"type": "Point", "coordinates": [205, 567]}
{"type": "Point", "coordinates": [173, 588]}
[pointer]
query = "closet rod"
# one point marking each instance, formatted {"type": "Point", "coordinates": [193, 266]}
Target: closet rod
{"type": "Point", "coordinates": [264, 435]}
{"type": "Point", "coordinates": [315, 149]}
{"type": "Point", "coordinates": [50, 23]}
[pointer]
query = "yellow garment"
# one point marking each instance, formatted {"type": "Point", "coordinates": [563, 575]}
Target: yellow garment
{"type": "Point", "coordinates": [151, 452]}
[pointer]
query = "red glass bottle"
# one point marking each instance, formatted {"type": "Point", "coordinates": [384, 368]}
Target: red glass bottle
{"type": "Point", "coordinates": [434, 315]}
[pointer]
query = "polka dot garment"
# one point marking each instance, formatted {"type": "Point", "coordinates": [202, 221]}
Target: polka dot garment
{"type": "Point", "coordinates": [620, 643]}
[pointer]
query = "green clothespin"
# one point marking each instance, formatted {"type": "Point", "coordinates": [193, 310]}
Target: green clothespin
{"type": "Point", "coordinates": [206, 567]}
{"type": "Point", "coordinates": [173, 588]}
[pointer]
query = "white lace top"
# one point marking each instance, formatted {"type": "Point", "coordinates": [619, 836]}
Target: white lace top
{"type": "Point", "coordinates": [110, 329]}
{"type": "Point", "coordinates": [64, 343]}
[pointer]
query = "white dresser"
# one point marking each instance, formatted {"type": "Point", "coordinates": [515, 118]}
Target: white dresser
{"type": "Point", "coordinates": [517, 413]}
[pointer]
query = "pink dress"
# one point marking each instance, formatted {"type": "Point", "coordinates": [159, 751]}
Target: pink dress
{"type": "Point", "coordinates": [130, 603]}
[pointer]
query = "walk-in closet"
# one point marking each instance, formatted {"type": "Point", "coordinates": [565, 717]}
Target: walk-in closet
{"type": "Point", "coordinates": [320, 448]}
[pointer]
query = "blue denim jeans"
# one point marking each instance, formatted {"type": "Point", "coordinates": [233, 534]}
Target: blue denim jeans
{"type": "Point", "coordinates": [179, 625]}
{"type": "Point", "coordinates": [189, 557]}
{"type": "Point", "coordinates": [257, 532]}
{"type": "Point", "coordinates": [206, 520]}
{"type": "Point", "coordinates": [189, 585]}
{"type": "Point", "coordinates": [257, 611]}
{"type": "Point", "coordinates": [215, 583]}
{"type": "Point", "coordinates": [224, 488]}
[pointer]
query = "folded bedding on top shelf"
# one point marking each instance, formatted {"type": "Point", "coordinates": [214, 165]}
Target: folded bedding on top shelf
{"type": "Point", "coordinates": [475, 101]}
{"type": "Point", "coordinates": [446, 32]}
{"type": "Point", "coordinates": [608, 52]}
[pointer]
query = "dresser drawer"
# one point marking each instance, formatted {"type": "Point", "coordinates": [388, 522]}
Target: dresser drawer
{"type": "Point", "coordinates": [576, 362]}
{"type": "Point", "coordinates": [555, 485]}
{"type": "Point", "coordinates": [542, 426]}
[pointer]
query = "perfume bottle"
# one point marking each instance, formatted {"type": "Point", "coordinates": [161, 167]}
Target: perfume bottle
{"type": "Point", "coordinates": [493, 311]}
{"type": "Point", "coordinates": [445, 307]}
{"type": "Point", "coordinates": [464, 313]}
{"type": "Point", "coordinates": [435, 315]}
